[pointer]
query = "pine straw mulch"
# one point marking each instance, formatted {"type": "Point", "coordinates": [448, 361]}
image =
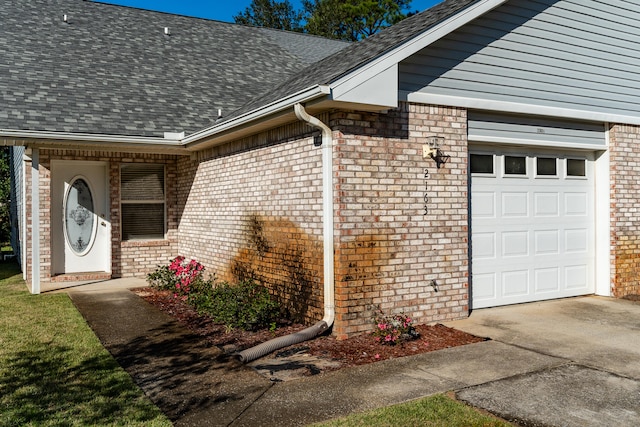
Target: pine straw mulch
{"type": "Point", "coordinates": [358, 350]}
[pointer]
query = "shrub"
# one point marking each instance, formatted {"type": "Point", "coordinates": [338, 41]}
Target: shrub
{"type": "Point", "coordinates": [245, 305]}
{"type": "Point", "coordinates": [392, 329]}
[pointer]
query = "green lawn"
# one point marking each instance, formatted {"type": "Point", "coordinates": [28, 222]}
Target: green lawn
{"type": "Point", "coordinates": [53, 369]}
{"type": "Point", "coordinates": [438, 410]}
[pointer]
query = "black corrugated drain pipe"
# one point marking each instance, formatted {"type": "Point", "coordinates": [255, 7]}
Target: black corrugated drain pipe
{"type": "Point", "coordinates": [270, 346]}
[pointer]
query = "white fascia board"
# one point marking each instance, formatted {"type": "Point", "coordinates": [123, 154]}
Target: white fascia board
{"type": "Point", "coordinates": [517, 108]}
{"type": "Point", "coordinates": [275, 107]}
{"type": "Point", "coordinates": [384, 62]}
{"type": "Point", "coordinates": [86, 137]}
{"type": "Point", "coordinates": [64, 140]}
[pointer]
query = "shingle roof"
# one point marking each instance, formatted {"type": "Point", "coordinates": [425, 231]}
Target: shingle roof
{"type": "Point", "coordinates": [112, 70]}
{"type": "Point", "coordinates": [355, 55]}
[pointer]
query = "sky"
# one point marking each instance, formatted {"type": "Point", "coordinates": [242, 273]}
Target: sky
{"type": "Point", "coordinates": [220, 10]}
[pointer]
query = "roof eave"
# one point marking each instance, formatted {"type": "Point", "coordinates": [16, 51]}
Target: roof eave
{"type": "Point", "coordinates": [91, 141]}
{"type": "Point", "coordinates": [216, 134]}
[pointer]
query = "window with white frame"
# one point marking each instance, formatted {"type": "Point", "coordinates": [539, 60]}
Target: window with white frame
{"type": "Point", "coordinates": [142, 201]}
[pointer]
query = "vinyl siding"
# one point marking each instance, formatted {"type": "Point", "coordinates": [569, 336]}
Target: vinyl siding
{"type": "Point", "coordinates": [573, 54]}
{"type": "Point", "coordinates": [490, 127]}
{"type": "Point", "coordinates": [17, 201]}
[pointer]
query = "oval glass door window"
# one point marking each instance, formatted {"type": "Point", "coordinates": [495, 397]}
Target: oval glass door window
{"type": "Point", "coordinates": [79, 219]}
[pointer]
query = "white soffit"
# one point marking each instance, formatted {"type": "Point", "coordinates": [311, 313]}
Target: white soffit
{"type": "Point", "coordinates": [380, 68]}
{"type": "Point", "coordinates": [381, 89]}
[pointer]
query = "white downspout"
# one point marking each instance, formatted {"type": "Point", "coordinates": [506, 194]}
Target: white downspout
{"type": "Point", "coordinates": [35, 221]}
{"type": "Point", "coordinates": [327, 210]}
{"type": "Point", "coordinates": [327, 219]}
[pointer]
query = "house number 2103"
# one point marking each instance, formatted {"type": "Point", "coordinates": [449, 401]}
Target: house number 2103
{"type": "Point", "coordinates": [426, 191]}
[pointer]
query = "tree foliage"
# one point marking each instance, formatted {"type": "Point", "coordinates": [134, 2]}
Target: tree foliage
{"type": "Point", "coordinates": [349, 20]}
{"type": "Point", "coordinates": [5, 224]}
{"type": "Point", "coordinates": [271, 14]}
{"type": "Point", "coordinates": [352, 20]}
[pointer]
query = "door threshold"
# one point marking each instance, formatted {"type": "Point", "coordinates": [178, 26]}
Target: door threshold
{"type": "Point", "coordinates": [79, 277]}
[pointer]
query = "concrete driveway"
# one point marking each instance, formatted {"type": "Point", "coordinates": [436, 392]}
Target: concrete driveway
{"type": "Point", "coordinates": [596, 380]}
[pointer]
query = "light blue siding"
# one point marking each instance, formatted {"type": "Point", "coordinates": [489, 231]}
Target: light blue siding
{"type": "Point", "coordinates": [570, 54]}
{"type": "Point", "coordinates": [17, 200]}
{"type": "Point", "coordinates": [490, 127]}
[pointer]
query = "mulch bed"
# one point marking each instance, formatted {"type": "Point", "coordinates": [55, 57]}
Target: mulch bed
{"type": "Point", "coordinates": [358, 350]}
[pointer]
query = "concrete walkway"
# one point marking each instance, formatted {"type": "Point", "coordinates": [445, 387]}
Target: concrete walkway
{"type": "Point", "coordinates": [570, 362]}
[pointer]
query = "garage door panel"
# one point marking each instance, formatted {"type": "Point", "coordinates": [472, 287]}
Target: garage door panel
{"type": "Point", "coordinates": [484, 286]}
{"type": "Point", "coordinates": [515, 244]}
{"type": "Point", "coordinates": [547, 280]}
{"type": "Point", "coordinates": [532, 238]}
{"type": "Point", "coordinates": [576, 240]}
{"type": "Point", "coordinates": [515, 204]}
{"type": "Point", "coordinates": [576, 277]}
{"type": "Point", "coordinates": [547, 242]}
{"type": "Point", "coordinates": [484, 204]}
{"type": "Point", "coordinates": [484, 245]}
{"type": "Point", "coordinates": [515, 283]}
{"type": "Point", "coordinates": [576, 204]}
{"type": "Point", "coordinates": [546, 204]}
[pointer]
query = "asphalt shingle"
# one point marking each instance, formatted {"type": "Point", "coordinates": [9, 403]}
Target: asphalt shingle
{"type": "Point", "coordinates": [112, 70]}
{"type": "Point", "coordinates": [355, 55]}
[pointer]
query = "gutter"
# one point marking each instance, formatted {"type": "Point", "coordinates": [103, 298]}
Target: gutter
{"type": "Point", "coordinates": [199, 138]}
{"type": "Point", "coordinates": [328, 258]}
{"type": "Point", "coordinates": [89, 137]}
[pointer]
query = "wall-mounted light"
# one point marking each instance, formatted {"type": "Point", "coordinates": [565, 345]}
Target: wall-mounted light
{"type": "Point", "coordinates": [432, 150]}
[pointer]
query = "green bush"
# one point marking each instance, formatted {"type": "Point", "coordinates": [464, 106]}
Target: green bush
{"type": "Point", "coordinates": [245, 305]}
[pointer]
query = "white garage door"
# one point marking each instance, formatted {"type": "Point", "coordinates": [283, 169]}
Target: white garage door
{"type": "Point", "coordinates": [532, 226]}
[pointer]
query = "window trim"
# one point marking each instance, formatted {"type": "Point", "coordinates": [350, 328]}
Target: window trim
{"type": "Point", "coordinates": [486, 174]}
{"type": "Point", "coordinates": [566, 168]}
{"type": "Point", "coordinates": [538, 175]}
{"type": "Point", "coordinates": [527, 166]}
{"type": "Point", "coordinates": [162, 202]}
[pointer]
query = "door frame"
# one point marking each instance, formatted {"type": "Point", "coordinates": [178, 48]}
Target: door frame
{"type": "Point", "coordinates": [602, 201]}
{"type": "Point", "coordinates": [58, 193]}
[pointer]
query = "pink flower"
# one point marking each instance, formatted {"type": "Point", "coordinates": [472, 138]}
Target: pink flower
{"type": "Point", "coordinates": [382, 326]}
{"type": "Point", "coordinates": [388, 338]}
{"type": "Point", "coordinates": [377, 356]}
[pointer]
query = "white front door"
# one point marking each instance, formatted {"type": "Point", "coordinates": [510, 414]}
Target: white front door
{"type": "Point", "coordinates": [81, 230]}
{"type": "Point", "coordinates": [532, 225]}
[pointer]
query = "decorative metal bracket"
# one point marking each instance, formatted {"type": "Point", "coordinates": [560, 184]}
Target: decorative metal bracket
{"type": "Point", "coordinates": [432, 150]}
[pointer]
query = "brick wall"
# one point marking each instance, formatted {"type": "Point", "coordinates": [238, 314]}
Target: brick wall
{"type": "Point", "coordinates": [129, 259]}
{"type": "Point", "coordinates": [253, 209]}
{"type": "Point", "coordinates": [388, 249]}
{"type": "Point", "coordinates": [625, 207]}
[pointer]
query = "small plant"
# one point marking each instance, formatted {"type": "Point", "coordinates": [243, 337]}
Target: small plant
{"type": "Point", "coordinates": [179, 276]}
{"type": "Point", "coordinates": [393, 329]}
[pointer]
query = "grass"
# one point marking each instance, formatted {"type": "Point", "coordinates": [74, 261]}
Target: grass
{"type": "Point", "coordinates": [53, 369]}
{"type": "Point", "coordinates": [436, 410]}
